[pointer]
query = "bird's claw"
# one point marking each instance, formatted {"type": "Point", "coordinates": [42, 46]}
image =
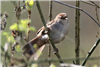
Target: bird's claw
{"type": "Point", "coordinates": [56, 51]}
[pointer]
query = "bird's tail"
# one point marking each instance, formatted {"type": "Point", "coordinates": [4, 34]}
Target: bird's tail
{"type": "Point", "coordinates": [30, 49]}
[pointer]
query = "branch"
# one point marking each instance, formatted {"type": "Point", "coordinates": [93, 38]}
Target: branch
{"type": "Point", "coordinates": [77, 32]}
{"type": "Point", "coordinates": [43, 21]}
{"type": "Point", "coordinates": [50, 11]}
{"type": "Point", "coordinates": [50, 18]}
{"type": "Point", "coordinates": [88, 3]}
{"type": "Point", "coordinates": [22, 60]}
{"type": "Point", "coordinates": [90, 52]}
{"type": "Point", "coordinates": [78, 9]}
{"type": "Point", "coordinates": [28, 31]}
{"type": "Point", "coordinates": [95, 4]}
{"type": "Point", "coordinates": [96, 14]}
{"type": "Point", "coordinates": [65, 60]}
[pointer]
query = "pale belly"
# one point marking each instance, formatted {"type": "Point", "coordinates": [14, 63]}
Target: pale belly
{"type": "Point", "coordinates": [58, 33]}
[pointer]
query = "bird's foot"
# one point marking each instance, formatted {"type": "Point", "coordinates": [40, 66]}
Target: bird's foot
{"type": "Point", "coordinates": [55, 50]}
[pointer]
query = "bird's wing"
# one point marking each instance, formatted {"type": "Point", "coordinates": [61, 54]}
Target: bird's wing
{"type": "Point", "coordinates": [41, 31]}
{"type": "Point", "coordinates": [50, 23]}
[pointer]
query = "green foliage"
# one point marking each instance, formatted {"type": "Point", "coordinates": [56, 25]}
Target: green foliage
{"type": "Point", "coordinates": [14, 27]}
{"type": "Point", "coordinates": [35, 46]}
{"type": "Point", "coordinates": [29, 4]}
{"type": "Point", "coordinates": [34, 65]}
{"type": "Point", "coordinates": [52, 65]}
{"type": "Point", "coordinates": [39, 53]}
{"type": "Point", "coordinates": [8, 37]}
{"type": "Point", "coordinates": [32, 29]}
{"type": "Point", "coordinates": [22, 26]}
{"type": "Point", "coordinates": [18, 48]}
{"type": "Point", "coordinates": [95, 65]}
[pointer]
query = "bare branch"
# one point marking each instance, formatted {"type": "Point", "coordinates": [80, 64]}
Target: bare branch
{"type": "Point", "coordinates": [79, 9]}
{"type": "Point", "coordinates": [87, 3]}
{"type": "Point", "coordinates": [90, 52]}
{"type": "Point", "coordinates": [96, 14]}
{"type": "Point", "coordinates": [95, 4]}
{"type": "Point", "coordinates": [77, 33]}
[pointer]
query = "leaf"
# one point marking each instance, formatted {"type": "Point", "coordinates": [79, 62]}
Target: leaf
{"type": "Point", "coordinates": [32, 28]}
{"type": "Point", "coordinates": [34, 65]}
{"type": "Point", "coordinates": [22, 27]}
{"type": "Point", "coordinates": [29, 4]}
{"type": "Point", "coordinates": [95, 65]}
{"type": "Point", "coordinates": [9, 37]}
{"type": "Point", "coordinates": [35, 46]}
{"type": "Point", "coordinates": [25, 21]}
{"type": "Point", "coordinates": [14, 27]}
{"type": "Point", "coordinates": [52, 65]}
{"type": "Point", "coordinates": [6, 34]}
{"type": "Point", "coordinates": [18, 48]}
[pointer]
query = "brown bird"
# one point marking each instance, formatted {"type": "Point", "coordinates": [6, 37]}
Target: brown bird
{"type": "Point", "coordinates": [58, 29]}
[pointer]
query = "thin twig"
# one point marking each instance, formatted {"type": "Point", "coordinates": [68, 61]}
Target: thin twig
{"type": "Point", "coordinates": [42, 18]}
{"type": "Point", "coordinates": [90, 52]}
{"type": "Point", "coordinates": [21, 60]}
{"type": "Point", "coordinates": [95, 4]}
{"type": "Point", "coordinates": [50, 10]}
{"type": "Point", "coordinates": [65, 60]}
{"type": "Point", "coordinates": [28, 31]}
{"type": "Point", "coordinates": [96, 7]}
{"type": "Point", "coordinates": [87, 2]}
{"type": "Point", "coordinates": [77, 33]}
{"type": "Point", "coordinates": [50, 18]}
{"type": "Point", "coordinates": [96, 14]}
{"type": "Point", "coordinates": [78, 9]}
{"type": "Point", "coordinates": [16, 32]}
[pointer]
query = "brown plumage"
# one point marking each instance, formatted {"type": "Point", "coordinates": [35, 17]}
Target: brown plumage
{"type": "Point", "coordinates": [58, 29]}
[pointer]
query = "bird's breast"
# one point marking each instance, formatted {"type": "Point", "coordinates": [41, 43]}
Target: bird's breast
{"type": "Point", "coordinates": [58, 32]}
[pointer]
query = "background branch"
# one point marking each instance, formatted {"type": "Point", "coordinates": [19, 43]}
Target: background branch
{"type": "Point", "coordinates": [96, 8]}
{"type": "Point", "coordinates": [65, 60]}
{"type": "Point", "coordinates": [21, 60]}
{"type": "Point", "coordinates": [96, 14]}
{"type": "Point", "coordinates": [90, 52]}
{"type": "Point", "coordinates": [87, 3]}
{"type": "Point", "coordinates": [77, 33]}
{"type": "Point", "coordinates": [95, 4]}
{"type": "Point", "coordinates": [78, 9]}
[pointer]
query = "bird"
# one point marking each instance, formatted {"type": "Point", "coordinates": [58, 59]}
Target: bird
{"type": "Point", "coordinates": [58, 29]}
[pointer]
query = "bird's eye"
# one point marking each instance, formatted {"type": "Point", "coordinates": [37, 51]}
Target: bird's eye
{"type": "Point", "coordinates": [63, 17]}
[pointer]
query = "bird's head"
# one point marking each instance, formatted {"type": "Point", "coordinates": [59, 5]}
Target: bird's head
{"type": "Point", "coordinates": [62, 16]}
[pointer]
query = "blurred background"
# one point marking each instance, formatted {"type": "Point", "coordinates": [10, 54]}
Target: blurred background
{"type": "Point", "coordinates": [88, 29]}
